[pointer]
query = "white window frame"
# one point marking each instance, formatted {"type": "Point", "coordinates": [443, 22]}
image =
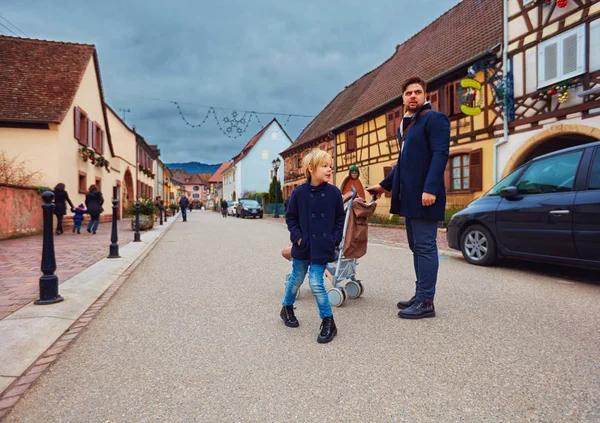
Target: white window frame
{"type": "Point", "coordinates": [595, 23]}
{"type": "Point", "coordinates": [581, 63]}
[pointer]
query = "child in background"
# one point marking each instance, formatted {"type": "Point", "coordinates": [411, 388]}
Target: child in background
{"type": "Point", "coordinates": [78, 218]}
{"type": "Point", "coordinates": [315, 219]}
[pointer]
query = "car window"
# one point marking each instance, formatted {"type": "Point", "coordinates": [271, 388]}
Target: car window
{"type": "Point", "coordinates": [595, 175]}
{"type": "Point", "coordinates": [506, 182]}
{"type": "Point", "coordinates": [550, 175]}
{"type": "Point", "coordinates": [250, 203]}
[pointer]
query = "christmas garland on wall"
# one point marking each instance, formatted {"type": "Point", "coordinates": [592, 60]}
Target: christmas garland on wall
{"type": "Point", "coordinates": [561, 89]}
{"type": "Point", "coordinates": [146, 171]}
{"type": "Point", "coordinates": [95, 158]}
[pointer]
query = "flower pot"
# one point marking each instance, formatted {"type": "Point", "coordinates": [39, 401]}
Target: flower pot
{"type": "Point", "coordinates": [146, 222]}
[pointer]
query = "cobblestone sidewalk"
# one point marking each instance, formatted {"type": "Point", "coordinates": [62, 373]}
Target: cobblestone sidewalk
{"type": "Point", "coordinates": [20, 261]}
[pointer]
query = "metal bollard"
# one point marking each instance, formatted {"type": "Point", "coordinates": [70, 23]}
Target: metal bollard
{"type": "Point", "coordinates": [136, 236]}
{"type": "Point", "coordinates": [48, 281]}
{"type": "Point", "coordinates": [160, 216]}
{"type": "Point", "coordinates": [114, 246]}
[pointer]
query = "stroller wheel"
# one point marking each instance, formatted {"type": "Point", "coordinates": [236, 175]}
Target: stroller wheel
{"type": "Point", "coordinates": [353, 289]}
{"type": "Point", "coordinates": [336, 296]}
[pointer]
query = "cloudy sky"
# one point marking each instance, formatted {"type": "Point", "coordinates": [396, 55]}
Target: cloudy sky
{"type": "Point", "coordinates": [257, 55]}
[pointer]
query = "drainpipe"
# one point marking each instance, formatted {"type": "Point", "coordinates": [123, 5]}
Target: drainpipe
{"type": "Point", "coordinates": [334, 157]}
{"type": "Point", "coordinates": [505, 83]}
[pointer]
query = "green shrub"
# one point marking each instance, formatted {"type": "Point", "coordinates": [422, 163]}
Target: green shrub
{"type": "Point", "coordinates": [147, 207]}
{"type": "Point", "coordinates": [394, 219]}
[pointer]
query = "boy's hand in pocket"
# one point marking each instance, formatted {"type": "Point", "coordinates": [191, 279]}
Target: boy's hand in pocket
{"type": "Point", "coordinates": [299, 241]}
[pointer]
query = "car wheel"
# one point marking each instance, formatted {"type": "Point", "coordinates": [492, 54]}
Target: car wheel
{"type": "Point", "coordinates": [478, 246]}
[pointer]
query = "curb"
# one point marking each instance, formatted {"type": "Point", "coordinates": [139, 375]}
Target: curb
{"type": "Point", "coordinates": [15, 391]}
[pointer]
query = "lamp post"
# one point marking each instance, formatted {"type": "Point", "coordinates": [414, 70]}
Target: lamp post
{"type": "Point", "coordinates": [276, 163]}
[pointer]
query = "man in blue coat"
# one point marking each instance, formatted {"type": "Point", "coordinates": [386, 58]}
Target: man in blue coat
{"type": "Point", "coordinates": [418, 192]}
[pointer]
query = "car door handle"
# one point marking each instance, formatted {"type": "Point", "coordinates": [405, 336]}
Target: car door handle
{"type": "Point", "coordinates": [559, 212]}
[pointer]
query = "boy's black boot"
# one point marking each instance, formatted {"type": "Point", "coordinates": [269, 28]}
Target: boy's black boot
{"type": "Point", "coordinates": [288, 316]}
{"type": "Point", "coordinates": [73, 229]}
{"type": "Point", "coordinates": [328, 330]}
{"type": "Point", "coordinates": [418, 310]}
{"type": "Point", "coordinates": [78, 230]}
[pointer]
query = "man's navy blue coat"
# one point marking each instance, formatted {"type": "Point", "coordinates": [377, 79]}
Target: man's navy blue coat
{"type": "Point", "coordinates": [420, 168]}
{"type": "Point", "coordinates": [315, 214]}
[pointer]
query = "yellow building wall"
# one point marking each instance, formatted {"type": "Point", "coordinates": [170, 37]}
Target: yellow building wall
{"type": "Point", "coordinates": [37, 148]}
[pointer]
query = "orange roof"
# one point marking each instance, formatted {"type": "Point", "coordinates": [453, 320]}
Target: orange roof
{"type": "Point", "coordinates": [468, 29]}
{"type": "Point", "coordinates": [218, 176]}
{"type": "Point", "coordinates": [39, 79]}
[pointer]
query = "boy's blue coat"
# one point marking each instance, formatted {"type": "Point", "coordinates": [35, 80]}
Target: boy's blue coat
{"type": "Point", "coordinates": [315, 214]}
{"type": "Point", "coordinates": [420, 168]}
{"type": "Point", "coordinates": [79, 215]}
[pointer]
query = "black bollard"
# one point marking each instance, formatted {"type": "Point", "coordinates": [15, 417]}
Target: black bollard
{"type": "Point", "coordinates": [114, 246]}
{"type": "Point", "coordinates": [160, 216]}
{"type": "Point", "coordinates": [136, 236]}
{"type": "Point", "coordinates": [166, 215]}
{"type": "Point", "coordinates": [48, 281]}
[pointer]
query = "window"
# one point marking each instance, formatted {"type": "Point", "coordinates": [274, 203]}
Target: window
{"type": "Point", "coordinates": [392, 122]}
{"type": "Point", "coordinates": [98, 138]}
{"type": "Point", "coordinates": [551, 175]}
{"type": "Point", "coordinates": [264, 154]}
{"type": "Point", "coordinates": [196, 188]}
{"type": "Point", "coordinates": [99, 184]}
{"type": "Point", "coordinates": [82, 185]}
{"type": "Point", "coordinates": [464, 171]}
{"type": "Point", "coordinates": [81, 126]}
{"type": "Point", "coordinates": [451, 100]}
{"type": "Point", "coordinates": [434, 100]}
{"type": "Point", "coordinates": [561, 57]}
{"type": "Point", "coordinates": [460, 173]}
{"type": "Point", "coordinates": [297, 161]}
{"type": "Point", "coordinates": [195, 195]}
{"type": "Point", "coordinates": [351, 139]}
{"type": "Point", "coordinates": [595, 174]}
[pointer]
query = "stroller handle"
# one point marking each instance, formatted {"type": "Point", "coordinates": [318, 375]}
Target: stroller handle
{"type": "Point", "coordinates": [354, 193]}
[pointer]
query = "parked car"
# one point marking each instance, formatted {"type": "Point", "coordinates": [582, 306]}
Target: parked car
{"type": "Point", "coordinates": [232, 207]}
{"type": "Point", "coordinates": [547, 210]}
{"type": "Point", "coordinates": [249, 208]}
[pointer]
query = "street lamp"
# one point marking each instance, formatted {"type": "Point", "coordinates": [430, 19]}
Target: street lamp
{"type": "Point", "coordinates": [276, 163]}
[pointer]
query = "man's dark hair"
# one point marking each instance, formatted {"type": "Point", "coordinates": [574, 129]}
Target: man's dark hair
{"type": "Point", "coordinates": [414, 80]}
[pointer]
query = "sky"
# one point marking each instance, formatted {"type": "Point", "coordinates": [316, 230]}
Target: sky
{"type": "Point", "coordinates": [288, 57]}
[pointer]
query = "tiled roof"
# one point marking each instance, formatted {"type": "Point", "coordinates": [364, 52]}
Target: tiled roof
{"type": "Point", "coordinates": [218, 176]}
{"type": "Point", "coordinates": [189, 178]}
{"type": "Point", "coordinates": [463, 32]}
{"type": "Point", "coordinates": [39, 79]}
{"type": "Point", "coordinates": [250, 144]}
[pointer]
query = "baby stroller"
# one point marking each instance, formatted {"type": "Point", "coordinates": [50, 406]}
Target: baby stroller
{"type": "Point", "coordinates": [342, 272]}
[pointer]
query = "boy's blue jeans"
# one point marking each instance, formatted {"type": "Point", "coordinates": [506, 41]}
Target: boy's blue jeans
{"type": "Point", "coordinates": [93, 224]}
{"type": "Point", "coordinates": [315, 280]}
{"type": "Point", "coordinates": [184, 213]}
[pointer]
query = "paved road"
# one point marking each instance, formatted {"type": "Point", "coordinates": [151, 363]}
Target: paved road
{"type": "Point", "coordinates": [195, 336]}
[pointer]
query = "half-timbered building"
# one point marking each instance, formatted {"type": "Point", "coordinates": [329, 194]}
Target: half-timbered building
{"type": "Point", "coordinates": [554, 51]}
{"type": "Point", "coordinates": [458, 56]}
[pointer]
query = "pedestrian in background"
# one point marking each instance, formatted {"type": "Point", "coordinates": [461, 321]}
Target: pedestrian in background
{"type": "Point", "coordinates": [80, 211]}
{"type": "Point", "coordinates": [93, 202]}
{"type": "Point", "coordinates": [61, 198]}
{"type": "Point", "coordinates": [315, 219]}
{"type": "Point", "coordinates": [160, 205]}
{"type": "Point", "coordinates": [224, 207]}
{"type": "Point", "coordinates": [184, 203]}
{"type": "Point", "coordinates": [418, 192]}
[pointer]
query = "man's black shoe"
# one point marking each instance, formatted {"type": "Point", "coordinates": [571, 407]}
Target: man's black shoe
{"type": "Point", "coordinates": [418, 310]}
{"type": "Point", "coordinates": [328, 330]}
{"type": "Point", "coordinates": [406, 304]}
{"type": "Point", "coordinates": [288, 316]}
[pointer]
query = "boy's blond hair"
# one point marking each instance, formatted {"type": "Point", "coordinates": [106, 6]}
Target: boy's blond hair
{"type": "Point", "coordinates": [314, 159]}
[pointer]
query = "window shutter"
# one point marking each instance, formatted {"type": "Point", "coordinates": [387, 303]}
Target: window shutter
{"type": "Point", "coordinates": [386, 171]}
{"type": "Point", "coordinates": [397, 119]}
{"type": "Point", "coordinates": [389, 125]}
{"type": "Point", "coordinates": [446, 100]}
{"type": "Point", "coordinates": [434, 100]}
{"type": "Point", "coordinates": [90, 131]}
{"type": "Point", "coordinates": [456, 99]}
{"type": "Point", "coordinates": [350, 140]}
{"type": "Point", "coordinates": [77, 114]}
{"type": "Point", "coordinates": [475, 170]}
{"type": "Point", "coordinates": [548, 63]}
{"type": "Point", "coordinates": [102, 141]}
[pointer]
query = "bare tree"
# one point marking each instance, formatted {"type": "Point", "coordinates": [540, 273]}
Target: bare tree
{"type": "Point", "coordinates": [14, 172]}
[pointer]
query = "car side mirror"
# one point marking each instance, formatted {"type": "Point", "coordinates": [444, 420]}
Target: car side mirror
{"type": "Point", "coordinates": [509, 192]}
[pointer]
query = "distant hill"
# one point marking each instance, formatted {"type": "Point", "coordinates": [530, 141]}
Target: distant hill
{"type": "Point", "coordinates": [195, 167]}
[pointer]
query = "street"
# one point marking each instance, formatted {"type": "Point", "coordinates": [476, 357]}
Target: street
{"type": "Point", "coordinates": [194, 335]}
